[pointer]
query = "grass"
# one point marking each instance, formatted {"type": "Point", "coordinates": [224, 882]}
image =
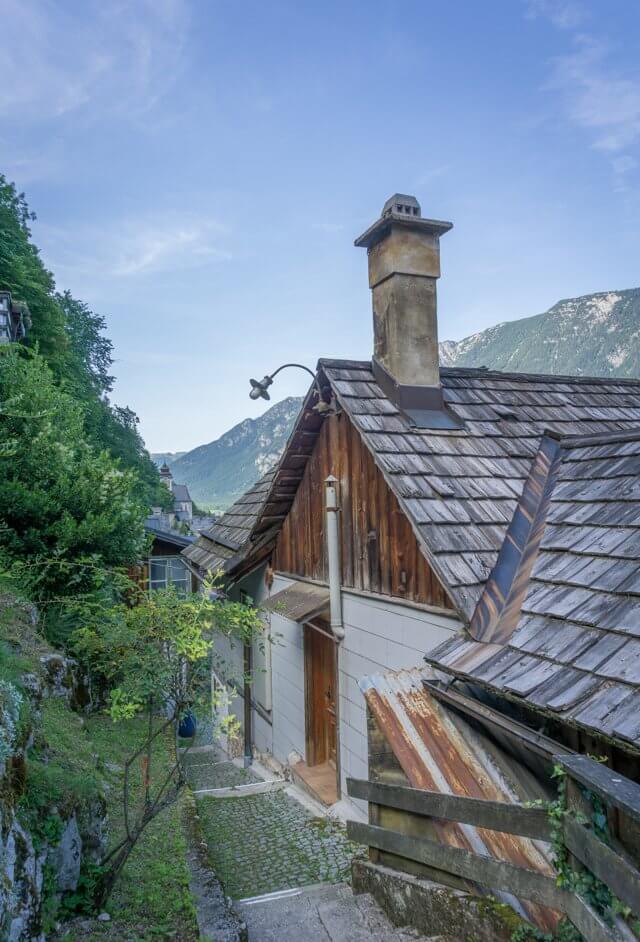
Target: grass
{"type": "Point", "coordinates": [74, 756]}
{"type": "Point", "coordinates": [151, 899]}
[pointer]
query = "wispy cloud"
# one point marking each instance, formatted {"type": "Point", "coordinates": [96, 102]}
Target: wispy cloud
{"type": "Point", "coordinates": [598, 95]}
{"type": "Point", "coordinates": [564, 14]}
{"type": "Point", "coordinates": [128, 249]}
{"type": "Point", "coordinates": [60, 58]}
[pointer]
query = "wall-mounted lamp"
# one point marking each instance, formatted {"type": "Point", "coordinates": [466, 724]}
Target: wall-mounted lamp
{"type": "Point", "coordinates": [259, 387]}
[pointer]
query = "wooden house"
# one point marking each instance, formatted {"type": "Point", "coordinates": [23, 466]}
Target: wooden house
{"type": "Point", "coordinates": [435, 472]}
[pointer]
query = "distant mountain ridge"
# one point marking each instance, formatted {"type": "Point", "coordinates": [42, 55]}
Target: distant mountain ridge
{"type": "Point", "coordinates": [169, 456]}
{"type": "Point", "coordinates": [594, 335]}
{"type": "Point", "coordinates": [219, 472]}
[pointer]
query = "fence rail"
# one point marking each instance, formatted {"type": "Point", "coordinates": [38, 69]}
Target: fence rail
{"type": "Point", "coordinates": [606, 863]}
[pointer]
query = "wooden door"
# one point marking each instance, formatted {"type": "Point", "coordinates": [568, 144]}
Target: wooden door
{"type": "Point", "coordinates": [321, 693]}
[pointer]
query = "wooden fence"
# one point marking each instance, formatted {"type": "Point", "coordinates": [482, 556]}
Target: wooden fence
{"type": "Point", "coordinates": [613, 866]}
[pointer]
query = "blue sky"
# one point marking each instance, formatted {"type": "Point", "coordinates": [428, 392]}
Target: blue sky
{"type": "Point", "coordinates": [200, 170]}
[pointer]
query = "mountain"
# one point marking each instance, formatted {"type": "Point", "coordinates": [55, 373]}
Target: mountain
{"type": "Point", "coordinates": [595, 335]}
{"type": "Point", "coordinates": [168, 457]}
{"type": "Point", "coordinates": [218, 473]}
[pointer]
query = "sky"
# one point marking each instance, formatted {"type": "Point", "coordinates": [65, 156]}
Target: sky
{"type": "Point", "coordinates": [200, 169]}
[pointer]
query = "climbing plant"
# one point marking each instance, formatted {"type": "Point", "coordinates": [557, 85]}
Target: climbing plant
{"type": "Point", "coordinates": [581, 882]}
{"type": "Point", "coordinates": [152, 652]}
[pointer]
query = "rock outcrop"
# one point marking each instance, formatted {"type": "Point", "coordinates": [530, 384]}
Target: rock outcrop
{"type": "Point", "coordinates": [44, 841]}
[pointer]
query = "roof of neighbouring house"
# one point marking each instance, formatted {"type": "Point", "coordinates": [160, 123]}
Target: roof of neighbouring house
{"type": "Point", "coordinates": [180, 492]}
{"type": "Point", "coordinates": [224, 544]}
{"type": "Point", "coordinates": [558, 623]}
{"type": "Point", "coordinates": [458, 488]}
{"type": "Point", "coordinates": [159, 525]}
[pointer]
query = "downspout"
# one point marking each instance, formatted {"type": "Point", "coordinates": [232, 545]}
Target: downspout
{"type": "Point", "coordinates": [248, 715]}
{"type": "Point", "coordinates": [334, 566]}
{"type": "Point", "coordinates": [333, 557]}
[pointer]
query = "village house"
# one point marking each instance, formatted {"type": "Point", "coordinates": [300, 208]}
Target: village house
{"type": "Point", "coordinates": [171, 531]}
{"type": "Point", "coordinates": [484, 519]}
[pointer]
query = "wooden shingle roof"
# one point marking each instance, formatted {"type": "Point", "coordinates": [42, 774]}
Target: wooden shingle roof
{"type": "Point", "coordinates": [225, 543]}
{"type": "Point", "coordinates": [558, 623]}
{"type": "Point", "coordinates": [459, 488]}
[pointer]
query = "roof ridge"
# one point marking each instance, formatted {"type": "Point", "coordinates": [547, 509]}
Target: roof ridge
{"type": "Point", "coordinates": [602, 438]}
{"type": "Point", "coordinates": [333, 363]}
{"type": "Point", "coordinates": [498, 610]}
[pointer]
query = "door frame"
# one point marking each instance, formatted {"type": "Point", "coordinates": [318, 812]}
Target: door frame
{"type": "Point", "coordinates": [310, 744]}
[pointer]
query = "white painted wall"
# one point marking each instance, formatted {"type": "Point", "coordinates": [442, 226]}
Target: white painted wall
{"type": "Point", "coordinates": [381, 635]}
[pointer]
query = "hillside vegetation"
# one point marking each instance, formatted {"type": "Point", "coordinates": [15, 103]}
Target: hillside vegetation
{"type": "Point", "coordinates": [219, 472]}
{"type": "Point", "coordinates": [595, 335]}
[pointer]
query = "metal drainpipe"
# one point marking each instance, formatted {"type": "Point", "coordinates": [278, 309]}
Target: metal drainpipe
{"type": "Point", "coordinates": [333, 557]}
{"type": "Point", "coordinates": [248, 716]}
{"type": "Point", "coordinates": [335, 599]}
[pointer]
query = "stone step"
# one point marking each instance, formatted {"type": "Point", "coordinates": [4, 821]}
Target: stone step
{"type": "Point", "coordinates": [321, 914]}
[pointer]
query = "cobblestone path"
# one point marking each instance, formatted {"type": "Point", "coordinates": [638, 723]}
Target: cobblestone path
{"type": "Point", "coordinates": [264, 842]}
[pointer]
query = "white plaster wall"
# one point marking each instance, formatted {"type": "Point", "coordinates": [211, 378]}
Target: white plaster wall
{"type": "Point", "coordinates": [380, 636]}
{"type": "Point", "coordinates": [287, 683]}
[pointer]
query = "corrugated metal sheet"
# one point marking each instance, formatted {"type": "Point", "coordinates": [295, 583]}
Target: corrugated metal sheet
{"type": "Point", "coordinates": [439, 751]}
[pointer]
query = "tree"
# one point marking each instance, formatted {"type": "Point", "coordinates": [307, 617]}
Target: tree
{"type": "Point", "coordinates": [153, 654]}
{"type": "Point", "coordinates": [62, 501]}
{"type": "Point", "coordinates": [71, 340]}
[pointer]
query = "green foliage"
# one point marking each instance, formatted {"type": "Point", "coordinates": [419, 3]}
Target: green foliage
{"type": "Point", "coordinates": [158, 649]}
{"type": "Point", "coordinates": [70, 339]}
{"type": "Point", "coordinates": [63, 502]}
{"type": "Point", "coordinates": [82, 899]}
{"type": "Point", "coordinates": [23, 273]}
{"type": "Point", "coordinates": [567, 932]}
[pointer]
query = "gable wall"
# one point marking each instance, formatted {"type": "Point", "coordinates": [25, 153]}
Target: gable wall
{"type": "Point", "coordinates": [380, 553]}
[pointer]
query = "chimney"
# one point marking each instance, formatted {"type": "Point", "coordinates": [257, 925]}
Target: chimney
{"type": "Point", "coordinates": [403, 251]}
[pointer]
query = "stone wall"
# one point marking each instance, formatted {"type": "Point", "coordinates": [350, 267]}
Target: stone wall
{"type": "Point", "coordinates": [42, 850]}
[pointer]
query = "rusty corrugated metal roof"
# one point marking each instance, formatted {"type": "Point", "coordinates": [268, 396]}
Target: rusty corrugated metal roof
{"type": "Point", "coordinates": [439, 751]}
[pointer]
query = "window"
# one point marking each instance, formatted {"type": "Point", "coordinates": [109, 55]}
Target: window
{"type": "Point", "coordinates": [169, 570]}
{"type": "Point", "coordinates": [261, 661]}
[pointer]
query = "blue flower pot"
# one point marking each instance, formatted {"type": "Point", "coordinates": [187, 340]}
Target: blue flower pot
{"type": "Point", "coordinates": [187, 727]}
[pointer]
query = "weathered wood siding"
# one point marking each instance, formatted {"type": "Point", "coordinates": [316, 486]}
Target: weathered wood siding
{"type": "Point", "coordinates": [379, 550]}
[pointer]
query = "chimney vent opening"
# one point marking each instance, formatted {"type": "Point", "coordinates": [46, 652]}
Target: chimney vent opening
{"type": "Point", "coordinates": [400, 204]}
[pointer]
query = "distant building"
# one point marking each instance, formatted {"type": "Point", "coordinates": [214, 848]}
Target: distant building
{"type": "Point", "coordinates": [15, 319]}
{"type": "Point", "coordinates": [172, 530]}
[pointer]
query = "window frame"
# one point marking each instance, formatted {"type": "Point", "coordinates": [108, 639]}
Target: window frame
{"type": "Point", "coordinates": [154, 585]}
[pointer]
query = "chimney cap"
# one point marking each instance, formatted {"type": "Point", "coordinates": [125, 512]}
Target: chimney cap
{"type": "Point", "coordinates": [401, 210]}
{"type": "Point", "coordinates": [401, 205]}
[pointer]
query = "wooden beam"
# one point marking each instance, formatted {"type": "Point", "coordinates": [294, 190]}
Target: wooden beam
{"type": "Point", "coordinates": [496, 815]}
{"type": "Point", "coordinates": [615, 789]}
{"type": "Point", "coordinates": [620, 876]}
{"type": "Point", "coordinates": [496, 875]}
